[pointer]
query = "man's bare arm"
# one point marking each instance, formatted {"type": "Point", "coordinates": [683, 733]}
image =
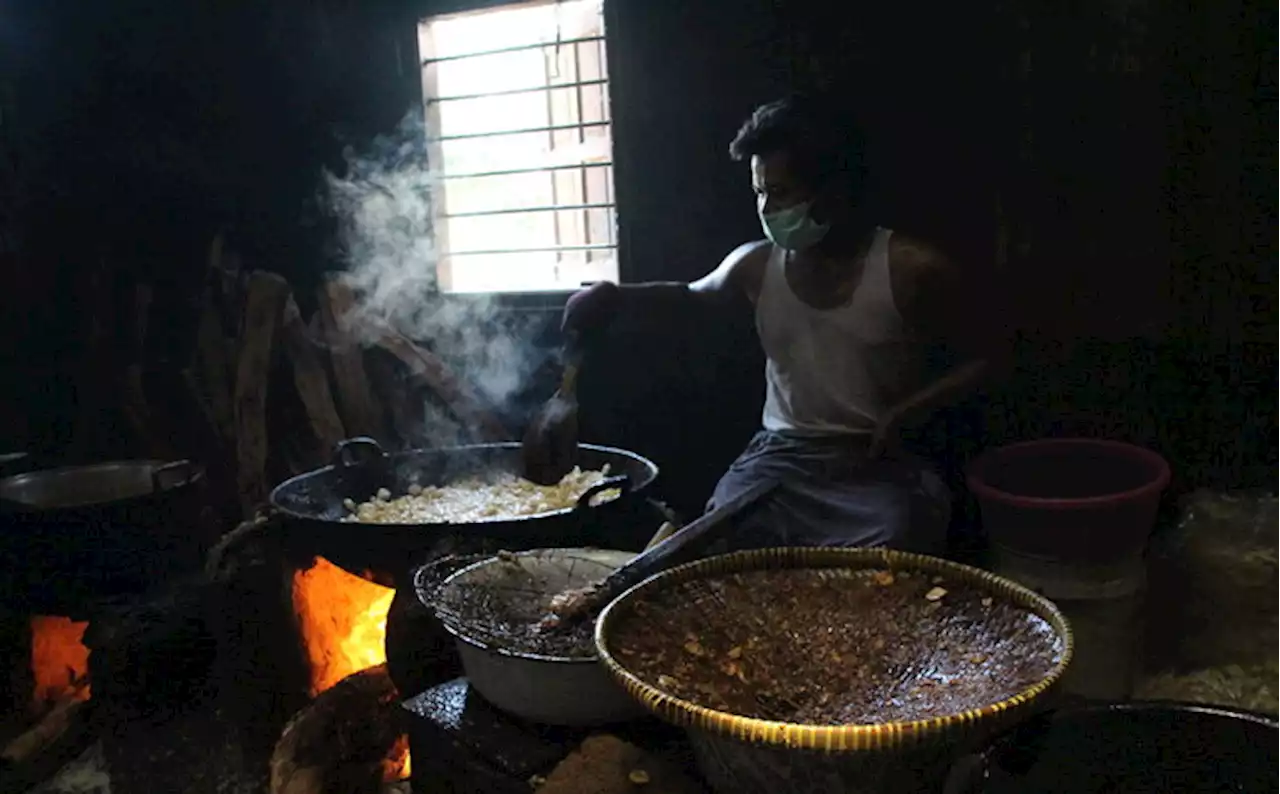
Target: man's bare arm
{"type": "Point", "coordinates": [950, 308]}
{"type": "Point", "coordinates": [741, 272]}
{"type": "Point", "coordinates": [738, 274]}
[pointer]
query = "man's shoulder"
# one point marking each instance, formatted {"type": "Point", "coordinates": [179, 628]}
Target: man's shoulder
{"type": "Point", "coordinates": [746, 265]}
{"type": "Point", "coordinates": [917, 258]}
{"type": "Point", "coordinates": [742, 269]}
{"type": "Point", "coordinates": [754, 253]}
{"type": "Point", "coordinates": [921, 273]}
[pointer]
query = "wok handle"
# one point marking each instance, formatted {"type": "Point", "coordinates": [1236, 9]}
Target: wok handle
{"type": "Point", "coordinates": [347, 453]}
{"type": "Point", "coordinates": [184, 471]}
{"type": "Point", "coordinates": [621, 481]}
{"type": "Point", "coordinates": [663, 509]}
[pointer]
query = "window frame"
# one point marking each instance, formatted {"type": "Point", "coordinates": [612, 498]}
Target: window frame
{"type": "Point", "coordinates": [523, 300]}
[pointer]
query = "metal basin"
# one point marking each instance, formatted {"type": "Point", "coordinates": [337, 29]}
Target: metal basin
{"type": "Point", "coordinates": [553, 690]}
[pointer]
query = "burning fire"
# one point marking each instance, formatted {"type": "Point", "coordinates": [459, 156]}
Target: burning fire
{"type": "Point", "coordinates": [343, 621]}
{"type": "Point", "coordinates": [59, 661]}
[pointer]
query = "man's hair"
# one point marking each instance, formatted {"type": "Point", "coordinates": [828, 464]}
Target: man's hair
{"type": "Point", "coordinates": [823, 148]}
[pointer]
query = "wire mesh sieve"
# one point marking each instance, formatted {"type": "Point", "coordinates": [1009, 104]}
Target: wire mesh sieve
{"type": "Point", "coordinates": [499, 603]}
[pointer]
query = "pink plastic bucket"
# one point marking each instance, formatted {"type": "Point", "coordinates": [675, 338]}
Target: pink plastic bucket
{"type": "Point", "coordinates": [1069, 500]}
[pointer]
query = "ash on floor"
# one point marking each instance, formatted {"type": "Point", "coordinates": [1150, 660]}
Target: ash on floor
{"type": "Point", "coordinates": [165, 767]}
{"type": "Point", "coordinates": [84, 775]}
{"type": "Point", "coordinates": [194, 753]}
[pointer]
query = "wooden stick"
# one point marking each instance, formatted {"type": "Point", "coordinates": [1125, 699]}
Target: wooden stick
{"type": "Point", "coordinates": [51, 727]}
{"type": "Point", "coordinates": [436, 375]}
{"type": "Point", "coordinates": [360, 412]}
{"type": "Point", "coordinates": [405, 412]}
{"type": "Point", "coordinates": [95, 368]}
{"type": "Point", "coordinates": [133, 394]}
{"type": "Point", "coordinates": [665, 531]}
{"type": "Point", "coordinates": [341, 741]}
{"type": "Point", "coordinates": [212, 367]}
{"type": "Point", "coordinates": [311, 380]}
{"type": "Point", "coordinates": [263, 308]}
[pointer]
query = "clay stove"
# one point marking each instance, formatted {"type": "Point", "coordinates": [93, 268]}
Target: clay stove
{"type": "Point", "coordinates": [268, 670]}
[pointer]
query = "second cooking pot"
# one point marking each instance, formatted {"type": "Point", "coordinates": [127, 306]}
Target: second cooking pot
{"type": "Point", "coordinates": [78, 532]}
{"type": "Point", "coordinates": [1136, 746]}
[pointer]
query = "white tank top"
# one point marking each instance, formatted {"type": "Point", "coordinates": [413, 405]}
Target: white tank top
{"type": "Point", "coordinates": [839, 370]}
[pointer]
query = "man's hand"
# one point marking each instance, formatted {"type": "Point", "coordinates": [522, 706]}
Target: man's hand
{"type": "Point", "coordinates": [885, 438]}
{"type": "Point", "coordinates": [591, 309]}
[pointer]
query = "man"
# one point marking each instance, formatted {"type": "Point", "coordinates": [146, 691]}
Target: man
{"type": "Point", "coordinates": [846, 312]}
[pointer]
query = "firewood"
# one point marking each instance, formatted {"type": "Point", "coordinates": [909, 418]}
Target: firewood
{"type": "Point", "coordinates": [212, 369]}
{"type": "Point", "coordinates": [135, 404]}
{"type": "Point", "coordinates": [263, 308]}
{"type": "Point", "coordinates": [427, 368]}
{"type": "Point", "coordinates": [388, 385]}
{"type": "Point", "coordinates": [233, 281]}
{"type": "Point", "coordinates": [360, 412]}
{"type": "Point", "coordinates": [143, 295]}
{"type": "Point", "coordinates": [341, 741]}
{"type": "Point", "coordinates": [97, 316]}
{"type": "Point", "coordinates": [51, 727]}
{"type": "Point", "coordinates": [310, 379]}
{"type": "Point", "coordinates": [197, 394]}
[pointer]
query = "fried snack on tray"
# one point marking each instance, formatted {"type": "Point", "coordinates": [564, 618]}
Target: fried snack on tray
{"type": "Point", "coordinates": [605, 764]}
{"type": "Point", "coordinates": [493, 497]}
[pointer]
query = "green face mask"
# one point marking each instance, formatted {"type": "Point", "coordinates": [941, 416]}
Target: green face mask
{"type": "Point", "coordinates": [793, 228]}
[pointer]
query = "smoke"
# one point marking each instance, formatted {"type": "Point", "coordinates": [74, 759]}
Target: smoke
{"type": "Point", "coordinates": [383, 205]}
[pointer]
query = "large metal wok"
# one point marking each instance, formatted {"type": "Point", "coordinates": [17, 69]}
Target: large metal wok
{"type": "Point", "coordinates": [386, 553]}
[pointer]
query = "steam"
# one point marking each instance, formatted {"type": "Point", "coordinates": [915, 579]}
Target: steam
{"type": "Point", "coordinates": [383, 205]}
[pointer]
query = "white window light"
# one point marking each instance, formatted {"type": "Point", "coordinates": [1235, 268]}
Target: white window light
{"type": "Point", "coordinates": [518, 124]}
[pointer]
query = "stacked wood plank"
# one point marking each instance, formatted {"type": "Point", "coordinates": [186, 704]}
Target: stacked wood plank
{"type": "Point", "coordinates": [343, 741]}
{"type": "Point", "coordinates": [278, 390]}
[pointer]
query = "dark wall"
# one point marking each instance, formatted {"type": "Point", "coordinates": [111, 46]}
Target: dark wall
{"type": "Point", "coordinates": [1075, 152]}
{"type": "Point", "coordinates": [140, 129]}
{"type": "Point", "coordinates": [1114, 166]}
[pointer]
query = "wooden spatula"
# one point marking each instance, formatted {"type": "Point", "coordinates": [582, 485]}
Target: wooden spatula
{"type": "Point", "coordinates": [681, 546]}
{"type": "Point", "coordinates": [550, 444]}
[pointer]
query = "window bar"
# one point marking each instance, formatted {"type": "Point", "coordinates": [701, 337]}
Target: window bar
{"type": "Point", "coordinates": [582, 139]}
{"type": "Point", "coordinates": [542, 250]}
{"type": "Point", "coordinates": [517, 91]}
{"type": "Point", "coordinates": [520, 210]}
{"type": "Point", "coordinates": [435, 158]}
{"type": "Point", "coordinates": [606, 112]}
{"type": "Point", "coordinates": [531, 170]}
{"type": "Point", "coordinates": [527, 131]}
{"type": "Point", "coordinates": [515, 48]}
{"type": "Point", "coordinates": [551, 147]}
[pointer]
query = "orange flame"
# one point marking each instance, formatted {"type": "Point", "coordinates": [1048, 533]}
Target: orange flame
{"type": "Point", "coordinates": [396, 766]}
{"type": "Point", "coordinates": [343, 622]}
{"type": "Point", "coordinates": [59, 660]}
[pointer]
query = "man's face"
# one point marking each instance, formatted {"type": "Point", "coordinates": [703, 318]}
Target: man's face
{"type": "Point", "coordinates": [775, 186]}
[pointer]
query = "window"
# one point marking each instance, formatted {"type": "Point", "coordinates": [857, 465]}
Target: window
{"type": "Point", "coordinates": [518, 131]}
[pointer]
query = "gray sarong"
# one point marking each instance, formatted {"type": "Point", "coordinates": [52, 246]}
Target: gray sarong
{"type": "Point", "coordinates": [831, 494]}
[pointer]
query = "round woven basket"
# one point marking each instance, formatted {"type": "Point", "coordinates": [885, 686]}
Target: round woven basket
{"type": "Point", "coordinates": [744, 754]}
